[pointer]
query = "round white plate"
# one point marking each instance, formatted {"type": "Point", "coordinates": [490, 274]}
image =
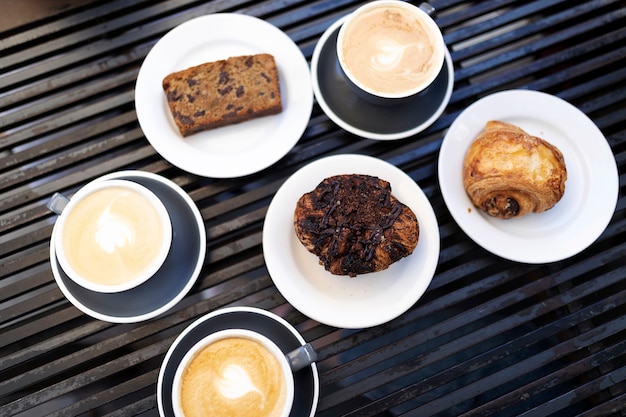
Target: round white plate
{"type": "Point", "coordinates": [230, 151]}
{"type": "Point", "coordinates": [591, 189]}
{"type": "Point", "coordinates": [366, 300]}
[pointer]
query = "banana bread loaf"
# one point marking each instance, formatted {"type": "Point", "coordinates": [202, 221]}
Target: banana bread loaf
{"type": "Point", "coordinates": [223, 92]}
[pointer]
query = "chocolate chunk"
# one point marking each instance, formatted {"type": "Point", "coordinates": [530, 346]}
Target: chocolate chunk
{"type": "Point", "coordinates": [174, 96]}
{"type": "Point", "coordinates": [186, 120]}
{"type": "Point", "coordinates": [224, 78]}
{"type": "Point", "coordinates": [511, 207]}
{"type": "Point", "coordinates": [225, 90]}
{"type": "Point", "coordinates": [233, 113]}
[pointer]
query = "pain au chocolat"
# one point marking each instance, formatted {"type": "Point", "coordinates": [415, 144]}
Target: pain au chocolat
{"type": "Point", "coordinates": [509, 173]}
{"type": "Point", "coordinates": [355, 225]}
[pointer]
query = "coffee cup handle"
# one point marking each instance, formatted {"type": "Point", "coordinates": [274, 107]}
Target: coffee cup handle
{"type": "Point", "coordinates": [301, 357]}
{"type": "Point", "coordinates": [57, 203]}
{"type": "Point", "coordinates": [428, 8]}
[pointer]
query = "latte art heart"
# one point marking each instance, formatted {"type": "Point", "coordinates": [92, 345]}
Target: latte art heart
{"type": "Point", "coordinates": [113, 235]}
{"type": "Point", "coordinates": [233, 377]}
{"type": "Point", "coordinates": [235, 382]}
{"type": "Point", "coordinates": [113, 232]}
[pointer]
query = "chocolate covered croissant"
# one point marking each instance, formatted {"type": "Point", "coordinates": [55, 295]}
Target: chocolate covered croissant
{"type": "Point", "coordinates": [509, 173]}
{"type": "Point", "coordinates": [355, 225]}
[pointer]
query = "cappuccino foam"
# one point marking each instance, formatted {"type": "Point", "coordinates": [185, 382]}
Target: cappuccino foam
{"type": "Point", "coordinates": [233, 377]}
{"type": "Point", "coordinates": [390, 50]}
{"type": "Point", "coordinates": [113, 235]}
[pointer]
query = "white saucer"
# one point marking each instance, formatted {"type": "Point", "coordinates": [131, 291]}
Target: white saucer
{"type": "Point", "coordinates": [306, 380]}
{"type": "Point", "coordinates": [170, 284]}
{"type": "Point", "coordinates": [230, 151]}
{"type": "Point", "coordinates": [341, 301]}
{"type": "Point", "coordinates": [591, 189]}
{"type": "Point", "coordinates": [365, 119]}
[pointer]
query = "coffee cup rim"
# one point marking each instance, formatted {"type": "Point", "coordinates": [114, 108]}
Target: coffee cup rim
{"type": "Point", "coordinates": [149, 272]}
{"type": "Point", "coordinates": [378, 94]}
{"type": "Point", "coordinates": [224, 334]}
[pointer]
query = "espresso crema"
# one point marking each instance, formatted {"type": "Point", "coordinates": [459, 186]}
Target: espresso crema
{"type": "Point", "coordinates": [233, 377]}
{"type": "Point", "coordinates": [113, 235]}
{"type": "Point", "coordinates": [391, 50]}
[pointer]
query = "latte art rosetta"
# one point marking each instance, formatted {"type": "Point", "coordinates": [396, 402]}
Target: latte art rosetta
{"type": "Point", "coordinates": [390, 58]}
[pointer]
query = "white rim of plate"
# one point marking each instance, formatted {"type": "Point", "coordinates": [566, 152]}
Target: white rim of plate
{"type": "Point", "coordinates": [591, 189]}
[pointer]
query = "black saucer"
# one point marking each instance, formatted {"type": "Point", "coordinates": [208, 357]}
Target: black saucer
{"type": "Point", "coordinates": [306, 381]}
{"type": "Point", "coordinates": [170, 283]}
{"type": "Point", "coordinates": [362, 118]}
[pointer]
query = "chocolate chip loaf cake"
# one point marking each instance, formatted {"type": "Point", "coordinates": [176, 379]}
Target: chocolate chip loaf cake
{"type": "Point", "coordinates": [223, 92]}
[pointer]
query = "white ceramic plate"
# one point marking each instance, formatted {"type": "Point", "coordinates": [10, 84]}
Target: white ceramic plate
{"type": "Point", "coordinates": [591, 189]}
{"type": "Point", "coordinates": [230, 151]}
{"type": "Point", "coordinates": [366, 300]}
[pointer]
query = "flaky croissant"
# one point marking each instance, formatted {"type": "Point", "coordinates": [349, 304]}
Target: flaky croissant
{"type": "Point", "coordinates": [509, 173]}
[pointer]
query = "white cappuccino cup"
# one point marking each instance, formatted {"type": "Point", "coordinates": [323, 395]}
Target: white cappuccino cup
{"type": "Point", "coordinates": [112, 235]}
{"type": "Point", "coordinates": [390, 50]}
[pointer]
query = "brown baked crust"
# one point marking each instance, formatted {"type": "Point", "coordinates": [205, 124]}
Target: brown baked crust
{"type": "Point", "coordinates": [509, 173]}
{"type": "Point", "coordinates": [223, 92]}
{"type": "Point", "coordinates": [355, 225]}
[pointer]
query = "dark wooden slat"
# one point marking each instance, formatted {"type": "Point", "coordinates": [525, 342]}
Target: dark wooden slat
{"type": "Point", "coordinates": [467, 317]}
{"type": "Point", "coordinates": [535, 26]}
{"type": "Point", "coordinates": [547, 382]}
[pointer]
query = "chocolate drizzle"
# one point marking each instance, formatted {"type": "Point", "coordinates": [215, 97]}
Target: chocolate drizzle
{"type": "Point", "coordinates": [378, 230]}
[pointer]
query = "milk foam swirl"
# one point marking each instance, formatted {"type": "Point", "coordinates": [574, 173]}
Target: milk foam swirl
{"type": "Point", "coordinates": [234, 382]}
{"type": "Point", "coordinates": [113, 231]}
{"type": "Point", "coordinates": [233, 376]}
{"type": "Point", "coordinates": [113, 235]}
{"type": "Point", "coordinates": [389, 57]}
{"type": "Point", "coordinates": [391, 50]}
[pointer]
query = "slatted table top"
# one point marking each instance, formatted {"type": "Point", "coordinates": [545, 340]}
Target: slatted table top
{"type": "Point", "coordinates": [490, 335]}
